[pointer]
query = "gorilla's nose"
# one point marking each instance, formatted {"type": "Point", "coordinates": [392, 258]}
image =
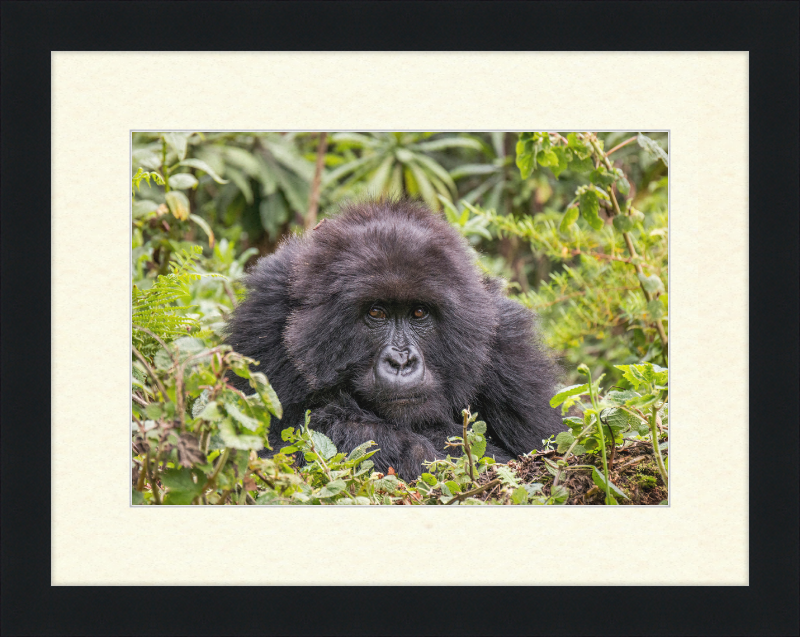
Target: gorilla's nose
{"type": "Point", "coordinates": [400, 367]}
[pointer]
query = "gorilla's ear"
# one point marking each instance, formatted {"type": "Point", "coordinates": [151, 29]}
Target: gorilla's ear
{"type": "Point", "coordinates": [322, 343]}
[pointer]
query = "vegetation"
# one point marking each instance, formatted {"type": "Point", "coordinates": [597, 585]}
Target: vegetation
{"type": "Point", "coordinates": [576, 223]}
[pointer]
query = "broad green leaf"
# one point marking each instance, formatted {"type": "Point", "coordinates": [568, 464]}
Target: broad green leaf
{"type": "Point", "coordinates": [623, 223]}
{"type": "Point", "coordinates": [243, 419]}
{"type": "Point", "coordinates": [655, 309]}
{"type": "Point", "coordinates": [601, 177]}
{"type": "Point", "coordinates": [182, 181]}
{"type": "Point", "coordinates": [619, 419]}
{"type": "Point", "coordinates": [146, 159]}
{"type": "Point", "coordinates": [360, 450]}
{"type": "Point", "coordinates": [600, 480]}
{"type": "Point", "coordinates": [590, 206]}
{"type": "Point", "coordinates": [331, 489]}
{"type": "Point", "coordinates": [323, 444]}
{"type": "Point", "coordinates": [229, 435]}
{"type": "Point", "coordinates": [623, 186]}
{"type": "Point", "coordinates": [201, 165]}
{"type": "Point", "coordinates": [520, 495]}
{"type": "Point", "coordinates": [559, 494]}
{"type": "Point", "coordinates": [178, 142]}
{"type": "Point", "coordinates": [178, 204]}
{"type": "Point", "coordinates": [479, 427]}
{"type": "Point", "coordinates": [569, 217]}
{"type": "Point", "coordinates": [181, 349]}
{"type": "Point", "coordinates": [507, 476]}
{"type": "Point", "coordinates": [429, 478]}
{"type": "Point", "coordinates": [652, 283]}
{"type": "Point", "coordinates": [564, 439]}
{"type": "Point", "coordinates": [620, 397]}
{"type": "Point", "coordinates": [561, 166]}
{"type": "Point", "coordinates": [142, 207]}
{"type": "Point", "coordinates": [478, 448]}
{"type": "Point", "coordinates": [182, 487]}
{"type": "Point", "coordinates": [652, 147]}
{"type": "Point", "coordinates": [453, 486]}
{"type": "Point", "coordinates": [547, 157]}
{"type": "Point", "coordinates": [572, 390]}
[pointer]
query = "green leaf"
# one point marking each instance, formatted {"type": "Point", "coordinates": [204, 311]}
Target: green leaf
{"type": "Point", "coordinates": [507, 476]}
{"type": "Point", "coordinates": [178, 142]}
{"type": "Point", "coordinates": [623, 186]}
{"type": "Point", "coordinates": [479, 427]}
{"type": "Point", "coordinates": [453, 486]}
{"type": "Point", "coordinates": [429, 478]}
{"type": "Point", "coordinates": [142, 207]}
{"type": "Point", "coordinates": [581, 165]}
{"type": "Point", "coordinates": [520, 495]}
{"type": "Point", "coordinates": [201, 165]}
{"type": "Point", "coordinates": [331, 489]}
{"type": "Point", "coordinates": [561, 166]}
{"type": "Point", "coordinates": [182, 349]}
{"type": "Point", "coordinates": [569, 217]}
{"type": "Point", "coordinates": [478, 448]}
{"type": "Point", "coordinates": [181, 485]}
{"type": "Point", "coordinates": [559, 494]}
{"type": "Point", "coordinates": [619, 419]}
{"type": "Point", "coordinates": [623, 223]}
{"type": "Point", "coordinates": [590, 206]}
{"type": "Point", "coordinates": [652, 147]}
{"type": "Point", "coordinates": [600, 177]}
{"type": "Point", "coordinates": [547, 157]}
{"type": "Point", "coordinates": [178, 204]}
{"type": "Point", "coordinates": [572, 390]}
{"type": "Point", "coordinates": [182, 181]}
{"type": "Point", "coordinates": [146, 159]}
{"type": "Point", "coordinates": [600, 480]}
{"type": "Point", "coordinates": [655, 309]}
{"type": "Point", "coordinates": [620, 397]}
{"type": "Point", "coordinates": [323, 444]}
{"type": "Point", "coordinates": [232, 439]}
{"type": "Point", "coordinates": [652, 283]}
{"type": "Point", "coordinates": [564, 440]}
{"type": "Point", "coordinates": [243, 419]}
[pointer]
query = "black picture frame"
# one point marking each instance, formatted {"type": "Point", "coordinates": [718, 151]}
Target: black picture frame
{"type": "Point", "coordinates": [768, 30]}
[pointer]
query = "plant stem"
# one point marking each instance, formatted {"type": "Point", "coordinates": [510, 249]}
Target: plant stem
{"type": "Point", "coordinates": [656, 451]}
{"type": "Point", "coordinates": [602, 439]}
{"type": "Point", "coordinates": [150, 371]}
{"type": "Point", "coordinates": [313, 198]}
{"type": "Point", "coordinates": [164, 164]}
{"type": "Point", "coordinates": [467, 494]}
{"type": "Point", "coordinates": [466, 445]}
{"type": "Point", "coordinates": [622, 145]}
{"type": "Point", "coordinates": [221, 463]}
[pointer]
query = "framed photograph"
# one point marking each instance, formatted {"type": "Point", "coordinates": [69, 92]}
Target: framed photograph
{"type": "Point", "coordinates": [722, 556]}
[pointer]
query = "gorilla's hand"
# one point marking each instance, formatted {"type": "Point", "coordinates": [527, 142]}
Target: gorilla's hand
{"type": "Point", "coordinates": [401, 449]}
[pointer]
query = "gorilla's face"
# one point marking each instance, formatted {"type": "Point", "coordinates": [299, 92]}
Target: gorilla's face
{"type": "Point", "coordinates": [389, 307]}
{"type": "Point", "coordinates": [398, 382]}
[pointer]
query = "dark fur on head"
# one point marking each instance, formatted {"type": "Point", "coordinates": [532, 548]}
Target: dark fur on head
{"type": "Point", "coordinates": [442, 337]}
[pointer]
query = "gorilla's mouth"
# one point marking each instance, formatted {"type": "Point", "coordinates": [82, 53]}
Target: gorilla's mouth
{"type": "Point", "coordinates": [414, 399]}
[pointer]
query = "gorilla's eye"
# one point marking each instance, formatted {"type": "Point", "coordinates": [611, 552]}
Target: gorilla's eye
{"type": "Point", "coordinates": [378, 313]}
{"type": "Point", "coordinates": [419, 313]}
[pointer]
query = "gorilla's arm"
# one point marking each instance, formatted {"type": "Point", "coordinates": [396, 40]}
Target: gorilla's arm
{"type": "Point", "coordinates": [256, 330]}
{"type": "Point", "coordinates": [348, 426]}
{"type": "Point", "coordinates": [514, 398]}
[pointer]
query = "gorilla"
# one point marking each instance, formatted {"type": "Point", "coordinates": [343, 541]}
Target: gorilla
{"type": "Point", "coordinates": [381, 324]}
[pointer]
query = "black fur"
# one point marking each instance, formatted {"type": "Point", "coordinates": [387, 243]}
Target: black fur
{"type": "Point", "coordinates": [307, 320]}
